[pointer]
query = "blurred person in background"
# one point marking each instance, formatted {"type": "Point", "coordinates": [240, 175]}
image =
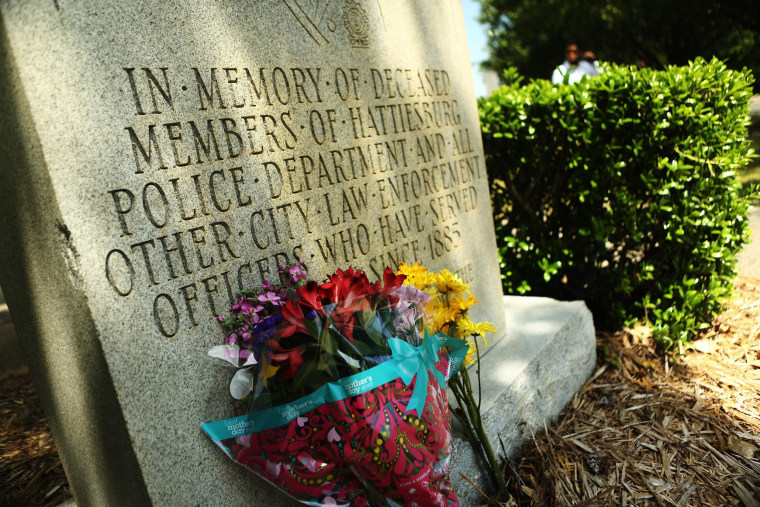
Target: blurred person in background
{"type": "Point", "coordinates": [590, 57]}
{"type": "Point", "coordinates": [574, 68]}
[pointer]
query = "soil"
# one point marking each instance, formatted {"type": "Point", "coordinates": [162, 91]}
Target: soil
{"type": "Point", "coordinates": [642, 430]}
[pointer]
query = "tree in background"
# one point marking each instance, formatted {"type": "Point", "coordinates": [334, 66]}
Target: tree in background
{"type": "Point", "coordinates": [531, 34]}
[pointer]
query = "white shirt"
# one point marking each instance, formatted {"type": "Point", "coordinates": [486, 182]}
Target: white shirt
{"type": "Point", "coordinates": [574, 73]}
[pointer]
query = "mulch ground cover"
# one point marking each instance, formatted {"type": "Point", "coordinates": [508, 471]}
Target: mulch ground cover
{"type": "Point", "coordinates": [30, 469]}
{"type": "Point", "coordinates": [642, 430]}
{"type": "Point", "coordinates": [645, 431]}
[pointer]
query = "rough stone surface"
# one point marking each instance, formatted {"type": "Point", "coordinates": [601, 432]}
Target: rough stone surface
{"type": "Point", "coordinates": [527, 378]}
{"type": "Point", "coordinates": [145, 179]}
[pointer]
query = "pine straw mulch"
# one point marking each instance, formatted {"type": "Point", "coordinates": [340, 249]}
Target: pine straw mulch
{"type": "Point", "coordinates": [645, 431]}
{"type": "Point", "coordinates": [642, 431]}
{"type": "Point", "coordinates": [30, 469]}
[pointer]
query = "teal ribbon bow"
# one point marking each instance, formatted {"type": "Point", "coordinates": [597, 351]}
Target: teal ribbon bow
{"type": "Point", "coordinates": [417, 361]}
{"type": "Point", "coordinates": [406, 363]}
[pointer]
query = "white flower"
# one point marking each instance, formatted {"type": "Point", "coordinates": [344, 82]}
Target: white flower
{"type": "Point", "coordinates": [242, 381]}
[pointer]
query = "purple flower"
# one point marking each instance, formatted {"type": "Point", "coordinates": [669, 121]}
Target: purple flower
{"type": "Point", "coordinates": [408, 295]}
{"type": "Point", "coordinates": [411, 306]}
{"type": "Point", "coordinates": [297, 273]}
{"type": "Point", "coordinates": [247, 307]}
{"type": "Point", "coordinates": [245, 336]}
{"type": "Point", "coordinates": [268, 323]}
{"type": "Point", "coordinates": [263, 331]}
{"type": "Point", "coordinates": [254, 318]}
{"type": "Point", "coordinates": [407, 319]}
{"type": "Point", "coordinates": [270, 297]}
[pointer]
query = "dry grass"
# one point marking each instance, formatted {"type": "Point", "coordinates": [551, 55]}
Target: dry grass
{"type": "Point", "coordinates": [644, 432]}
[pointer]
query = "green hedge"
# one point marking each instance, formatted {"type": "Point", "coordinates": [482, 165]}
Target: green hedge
{"type": "Point", "coordinates": [621, 191]}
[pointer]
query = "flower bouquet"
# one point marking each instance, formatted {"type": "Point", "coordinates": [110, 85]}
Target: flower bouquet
{"type": "Point", "coordinates": [346, 390]}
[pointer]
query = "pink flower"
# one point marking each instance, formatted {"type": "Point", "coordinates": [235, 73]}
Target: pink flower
{"type": "Point", "coordinates": [270, 297]}
{"type": "Point", "coordinates": [246, 341]}
{"type": "Point", "coordinates": [297, 273]}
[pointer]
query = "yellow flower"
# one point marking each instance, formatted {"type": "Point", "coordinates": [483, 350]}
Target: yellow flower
{"type": "Point", "coordinates": [479, 329]}
{"type": "Point", "coordinates": [446, 315]}
{"type": "Point", "coordinates": [443, 319]}
{"type": "Point", "coordinates": [447, 309]}
{"type": "Point", "coordinates": [435, 302]}
{"type": "Point", "coordinates": [468, 330]}
{"type": "Point", "coordinates": [414, 269]}
{"type": "Point", "coordinates": [416, 275]}
{"type": "Point", "coordinates": [447, 282]}
{"type": "Point", "coordinates": [460, 330]}
{"type": "Point", "coordinates": [462, 303]}
{"type": "Point", "coordinates": [267, 370]}
{"type": "Point", "coordinates": [483, 328]}
{"type": "Point", "coordinates": [472, 354]}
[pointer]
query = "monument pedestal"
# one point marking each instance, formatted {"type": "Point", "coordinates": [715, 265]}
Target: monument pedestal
{"type": "Point", "coordinates": [527, 378]}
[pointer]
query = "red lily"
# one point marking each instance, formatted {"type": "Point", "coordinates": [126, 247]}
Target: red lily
{"type": "Point", "coordinates": [292, 314]}
{"type": "Point", "coordinates": [313, 295]}
{"type": "Point", "coordinates": [289, 360]}
{"type": "Point", "coordinates": [391, 282]}
{"type": "Point", "coordinates": [344, 283]}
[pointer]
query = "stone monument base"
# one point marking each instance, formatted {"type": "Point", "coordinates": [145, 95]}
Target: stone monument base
{"type": "Point", "coordinates": [528, 378]}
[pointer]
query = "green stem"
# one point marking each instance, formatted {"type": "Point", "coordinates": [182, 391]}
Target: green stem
{"type": "Point", "coordinates": [462, 414]}
{"type": "Point", "coordinates": [463, 392]}
{"type": "Point", "coordinates": [477, 366]}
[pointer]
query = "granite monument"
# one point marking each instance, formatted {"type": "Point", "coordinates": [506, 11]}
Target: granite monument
{"type": "Point", "coordinates": [159, 156]}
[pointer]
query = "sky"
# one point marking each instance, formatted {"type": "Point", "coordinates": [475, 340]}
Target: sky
{"type": "Point", "coordinates": [477, 42]}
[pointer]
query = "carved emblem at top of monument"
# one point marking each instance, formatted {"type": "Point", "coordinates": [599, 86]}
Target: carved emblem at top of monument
{"type": "Point", "coordinates": [321, 20]}
{"type": "Point", "coordinates": [356, 22]}
{"type": "Point", "coordinates": [310, 14]}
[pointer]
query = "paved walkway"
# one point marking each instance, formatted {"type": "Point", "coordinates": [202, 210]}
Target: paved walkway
{"type": "Point", "coordinates": [754, 106]}
{"type": "Point", "coordinates": [749, 258]}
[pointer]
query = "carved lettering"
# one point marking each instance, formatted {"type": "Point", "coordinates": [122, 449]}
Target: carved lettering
{"type": "Point", "coordinates": [165, 315]}
{"type": "Point", "coordinates": [254, 167]}
{"type": "Point", "coordinates": [153, 84]}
